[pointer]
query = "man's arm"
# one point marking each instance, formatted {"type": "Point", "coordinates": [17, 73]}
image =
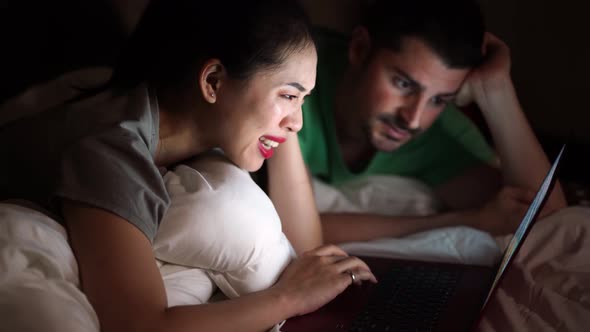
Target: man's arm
{"type": "Point", "coordinates": [470, 189]}
{"type": "Point", "coordinates": [500, 215]}
{"type": "Point", "coordinates": [522, 160]}
{"type": "Point", "coordinates": [476, 198]}
{"type": "Point", "coordinates": [345, 227]}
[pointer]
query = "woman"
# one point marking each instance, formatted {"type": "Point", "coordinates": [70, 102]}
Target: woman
{"type": "Point", "coordinates": [225, 74]}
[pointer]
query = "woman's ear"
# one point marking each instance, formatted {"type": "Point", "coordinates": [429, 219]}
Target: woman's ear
{"type": "Point", "coordinates": [359, 46]}
{"type": "Point", "coordinates": [211, 77]}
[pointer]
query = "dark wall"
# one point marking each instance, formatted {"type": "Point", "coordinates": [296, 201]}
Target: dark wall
{"type": "Point", "coordinates": [42, 39]}
{"type": "Point", "coordinates": [551, 53]}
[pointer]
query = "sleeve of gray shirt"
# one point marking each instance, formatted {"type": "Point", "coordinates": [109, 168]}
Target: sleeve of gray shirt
{"type": "Point", "coordinates": [114, 171]}
{"type": "Point", "coordinates": [98, 151]}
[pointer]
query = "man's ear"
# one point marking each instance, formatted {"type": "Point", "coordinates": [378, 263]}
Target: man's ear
{"type": "Point", "coordinates": [211, 77]}
{"type": "Point", "coordinates": [359, 46]}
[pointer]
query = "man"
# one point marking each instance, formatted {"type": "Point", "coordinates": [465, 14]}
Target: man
{"type": "Point", "coordinates": [383, 105]}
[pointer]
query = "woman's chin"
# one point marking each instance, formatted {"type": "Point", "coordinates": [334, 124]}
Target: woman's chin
{"type": "Point", "coordinates": [255, 166]}
{"type": "Point", "coordinates": [249, 165]}
{"type": "Point", "coordinates": [247, 160]}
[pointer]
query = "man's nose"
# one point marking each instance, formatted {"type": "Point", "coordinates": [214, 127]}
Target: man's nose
{"type": "Point", "coordinates": [413, 109]}
{"type": "Point", "coordinates": [293, 121]}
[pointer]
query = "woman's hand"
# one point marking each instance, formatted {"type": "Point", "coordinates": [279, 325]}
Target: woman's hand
{"type": "Point", "coordinates": [318, 276]}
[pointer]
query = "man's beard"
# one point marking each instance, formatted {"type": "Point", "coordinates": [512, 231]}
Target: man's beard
{"type": "Point", "coordinates": [397, 122]}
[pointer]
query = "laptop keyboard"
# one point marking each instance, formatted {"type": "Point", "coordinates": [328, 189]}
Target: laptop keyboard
{"type": "Point", "coordinates": [408, 298]}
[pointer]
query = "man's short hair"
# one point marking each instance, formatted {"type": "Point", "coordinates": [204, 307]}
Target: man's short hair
{"type": "Point", "coordinates": [453, 29]}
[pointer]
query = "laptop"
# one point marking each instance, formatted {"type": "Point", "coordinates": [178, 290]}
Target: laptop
{"type": "Point", "coordinates": [418, 295]}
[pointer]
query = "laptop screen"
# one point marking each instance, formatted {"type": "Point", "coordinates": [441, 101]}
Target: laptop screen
{"type": "Point", "coordinates": [525, 224]}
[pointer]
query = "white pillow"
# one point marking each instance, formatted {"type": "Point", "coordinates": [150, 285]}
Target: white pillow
{"type": "Point", "coordinates": [388, 195]}
{"type": "Point", "coordinates": [221, 221]}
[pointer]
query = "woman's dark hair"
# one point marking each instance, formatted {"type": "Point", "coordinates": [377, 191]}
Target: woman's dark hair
{"type": "Point", "coordinates": [174, 37]}
{"type": "Point", "coordinates": [453, 29]}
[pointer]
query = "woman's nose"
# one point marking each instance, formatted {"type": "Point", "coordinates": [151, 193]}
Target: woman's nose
{"type": "Point", "coordinates": [294, 121]}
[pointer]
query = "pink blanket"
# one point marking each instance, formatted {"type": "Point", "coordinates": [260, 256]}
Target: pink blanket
{"type": "Point", "coordinates": [548, 286]}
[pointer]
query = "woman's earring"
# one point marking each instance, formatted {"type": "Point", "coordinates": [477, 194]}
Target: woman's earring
{"type": "Point", "coordinates": [212, 94]}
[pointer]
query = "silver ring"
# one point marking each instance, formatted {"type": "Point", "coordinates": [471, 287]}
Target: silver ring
{"type": "Point", "coordinates": [352, 276]}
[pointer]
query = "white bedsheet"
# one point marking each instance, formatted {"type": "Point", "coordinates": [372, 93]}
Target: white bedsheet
{"type": "Point", "coordinates": [39, 283]}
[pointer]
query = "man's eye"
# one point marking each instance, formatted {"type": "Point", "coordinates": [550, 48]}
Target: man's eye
{"type": "Point", "coordinates": [438, 101]}
{"type": "Point", "coordinates": [401, 83]}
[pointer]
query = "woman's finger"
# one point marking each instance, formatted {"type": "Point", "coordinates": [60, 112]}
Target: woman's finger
{"type": "Point", "coordinates": [360, 275]}
{"type": "Point", "coordinates": [327, 250]}
{"type": "Point", "coordinates": [357, 266]}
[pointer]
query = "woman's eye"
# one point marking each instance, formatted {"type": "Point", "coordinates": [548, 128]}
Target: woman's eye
{"type": "Point", "coordinates": [290, 97]}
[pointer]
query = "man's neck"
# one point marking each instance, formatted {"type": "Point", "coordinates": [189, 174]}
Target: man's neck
{"type": "Point", "coordinates": [355, 147]}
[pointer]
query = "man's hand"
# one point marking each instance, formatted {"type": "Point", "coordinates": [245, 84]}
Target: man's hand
{"type": "Point", "coordinates": [503, 213]}
{"type": "Point", "coordinates": [494, 70]}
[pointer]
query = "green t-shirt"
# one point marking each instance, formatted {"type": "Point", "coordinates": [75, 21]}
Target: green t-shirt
{"type": "Point", "coordinates": [449, 147]}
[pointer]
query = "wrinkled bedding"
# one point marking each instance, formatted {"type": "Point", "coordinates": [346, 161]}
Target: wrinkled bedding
{"type": "Point", "coordinates": [39, 283]}
{"type": "Point", "coordinates": [547, 289]}
{"type": "Point", "coordinates": [548, 286]}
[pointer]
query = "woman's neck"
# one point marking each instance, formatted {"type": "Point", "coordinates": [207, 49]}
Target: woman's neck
{"type": "Point", "coordinates": [180, 134]}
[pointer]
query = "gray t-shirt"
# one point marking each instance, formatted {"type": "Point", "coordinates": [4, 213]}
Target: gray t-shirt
{"type": "Point", "coordinates": [99, 151]}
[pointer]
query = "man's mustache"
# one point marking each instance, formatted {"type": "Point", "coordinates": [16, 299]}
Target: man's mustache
{"type": "Point", "coordinates": [398, 121]}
